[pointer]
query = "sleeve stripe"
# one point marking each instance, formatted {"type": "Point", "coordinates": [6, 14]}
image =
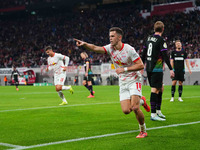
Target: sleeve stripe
{"type": "Point", "coordinates": [136, 59]}
{"type": "Point", "coordinates": [105, 49]}
{"type": "Point", "coordinates": [163, 50]}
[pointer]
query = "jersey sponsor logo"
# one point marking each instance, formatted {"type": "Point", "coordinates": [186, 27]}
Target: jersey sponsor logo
{"type": "Point", "coordinates": [179, 58]}
{"type": "Point", "coordinates": [120, 63]}
{"type": "Point", "coordinates": [53, 64]}
{"type": "Point", "coordinates": [165, 45]}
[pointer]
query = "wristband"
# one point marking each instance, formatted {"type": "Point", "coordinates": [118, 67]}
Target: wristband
{"type": "Point", "coordinates": [125, 69]}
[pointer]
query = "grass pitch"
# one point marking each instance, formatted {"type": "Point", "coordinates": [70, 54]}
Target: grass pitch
{"type": "Point", "coordinates": [32, 119]}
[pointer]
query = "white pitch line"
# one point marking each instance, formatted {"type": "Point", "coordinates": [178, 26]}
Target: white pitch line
{"type": "Point", "coordinates": [101, 136]}
{"type": "Point", "coordinates": [34, 93]}
{"type": "Point", "coordinates": [58, 106]}
{"type": "Point", "coordinates": [35, 108]}
{"type": "Point", "coordinates": [10, 145]}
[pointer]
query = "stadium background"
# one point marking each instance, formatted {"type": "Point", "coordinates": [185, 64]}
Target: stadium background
{"type": "Point", "coordinates": [27, 26]}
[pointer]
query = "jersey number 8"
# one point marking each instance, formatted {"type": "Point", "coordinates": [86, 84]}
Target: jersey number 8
{"type": "Point", "coordinates": [149, 51]}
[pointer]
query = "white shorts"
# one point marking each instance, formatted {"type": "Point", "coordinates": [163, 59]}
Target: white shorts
{"type": "Point", "coordinates": [130, 88]}
{"type": "Point", "coordinates": [59, 79]}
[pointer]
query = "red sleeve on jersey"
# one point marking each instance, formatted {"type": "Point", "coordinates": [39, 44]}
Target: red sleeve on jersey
{"type": "Point", "coordinates": [105, 49]}
{"type": "Point", "coordinates": [136, 59]}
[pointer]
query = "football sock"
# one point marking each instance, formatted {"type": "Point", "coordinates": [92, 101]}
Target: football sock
{"type": "Point", "coordinates": [158, 111]}
{"type": "Point", "coordinates": [158, 106]}
{"type": "Point", "coordinates": [153, 114]}
{"type": "Point", "coordinates": [141, 102]}
{"type": "Point", "coordinates": [65, 87]}
{"type": "Point", "coordinates": [90, 89]}
{"type": "Point", "coordinates": [180, 89]}
{"type": "Point", "coordinates": [142, 127]}
{"type": "Point", "coordinates": [153, 101]}
{"type": "Point", "coordinates": [61, 95]}
{"type": "Point", "coordinates": [87, 86]}
{"type": "Point", "coordinates": [173, 89]}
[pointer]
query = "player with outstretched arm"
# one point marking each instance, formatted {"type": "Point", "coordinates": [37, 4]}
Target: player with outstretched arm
{"type": "Point", "coordinates": [128, 64]}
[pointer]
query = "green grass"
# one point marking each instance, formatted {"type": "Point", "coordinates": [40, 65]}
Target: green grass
{"type": "Point", "coordinates": [47, 122]}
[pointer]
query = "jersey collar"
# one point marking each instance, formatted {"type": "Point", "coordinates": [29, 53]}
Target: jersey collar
{"type": "Point", "coordinates": [121, 47]}
{"type": "Point", "coordinates": [53, 54]}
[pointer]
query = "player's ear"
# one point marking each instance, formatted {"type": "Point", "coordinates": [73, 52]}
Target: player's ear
{"type": "Point", "coordinates": [120, 37]}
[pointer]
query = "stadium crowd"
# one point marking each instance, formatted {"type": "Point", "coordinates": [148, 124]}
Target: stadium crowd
{"type": "Point", "coordinates": [18, 3]}
{"type": "Point", "coordinates": [22, 40]}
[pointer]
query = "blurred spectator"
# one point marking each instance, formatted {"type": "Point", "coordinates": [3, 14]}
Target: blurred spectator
{"type": "Point", "coordinates": [23, 40]}
{"type": "Point", "coordinates": [5, 80]}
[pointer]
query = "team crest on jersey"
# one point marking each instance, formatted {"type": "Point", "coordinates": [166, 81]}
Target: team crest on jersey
{"type": "Point", "coordinates": [119, 63]}
{"type": "Point", "coordinates": [165, 45]}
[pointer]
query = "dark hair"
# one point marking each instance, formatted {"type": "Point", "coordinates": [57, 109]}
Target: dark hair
{"type": "Point", "coordinates": [47, 48]}
{"type": "Point", "coordinates": [158, 26]}
{"type": "Point", "coordinates": [118, 30]}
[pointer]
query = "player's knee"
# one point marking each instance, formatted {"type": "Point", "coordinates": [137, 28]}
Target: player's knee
{"type": "Point", "coordinates": [84, 83]}
{"type": "Point", "coordinates": [126, 111]}
{"type": "Point", "coordinates": [58, 89]}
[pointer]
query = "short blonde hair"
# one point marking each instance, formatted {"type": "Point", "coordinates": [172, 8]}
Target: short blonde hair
{"type": "Point", "coordinates": [84, 53]}
{"type": "Point", "coordinates": [159, 26]}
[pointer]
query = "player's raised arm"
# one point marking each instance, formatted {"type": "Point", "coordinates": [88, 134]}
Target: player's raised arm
{"type": "Point", "coordinates": [90, 47]}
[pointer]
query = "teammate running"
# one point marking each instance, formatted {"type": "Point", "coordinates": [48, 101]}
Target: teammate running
{"type": "Point", "coordinates": [55, 63]}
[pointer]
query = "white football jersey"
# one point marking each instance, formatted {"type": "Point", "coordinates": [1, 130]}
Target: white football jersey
{"type": "Point", "coordinates": [56, 64]}
{"type": "Point", "coordinates": [124, 57]}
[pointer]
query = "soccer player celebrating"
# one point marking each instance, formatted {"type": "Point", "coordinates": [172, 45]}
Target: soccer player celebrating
{"type": "Point", "coordinates": [15, 74]}
{"type": "Point", "coordinates": [87, 80]}
{"type": "Point", "coordinates": [127, 63]}
{"type": "Point", "coordinates": [154, 52]}
{"type": "Point", "coordinates": [177, 61]}
{"type": "Point", "coordinates": [55, 63]}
